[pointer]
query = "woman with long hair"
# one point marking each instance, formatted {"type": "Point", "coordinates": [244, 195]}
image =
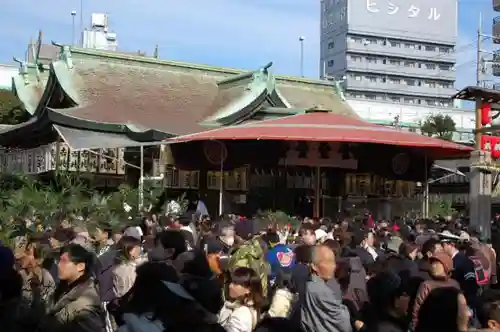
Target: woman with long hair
{"type": "Point", "coordinates": [75, 305]}
{"type": "Point", "coordinates": [241, 311]}
{"type": "Point", "coordinates": [129, 251]}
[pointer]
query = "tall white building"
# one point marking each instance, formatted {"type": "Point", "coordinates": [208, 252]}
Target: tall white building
{"type": "Point", "coordinates": [98, 36]}
{"type": "Point", "coordinates": [393, 51]}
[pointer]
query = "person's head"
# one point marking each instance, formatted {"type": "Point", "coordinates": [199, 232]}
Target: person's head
{"type": "Point", "coordinates": [307, 234]}
{"type": "Point", "coordinates": [408, 249]}
{"type": "Point", "coordinates": [444, 310]}
{"type": "Point", "coordinates": [272, 239]}
{"type": "Point", "coordinates": [369, 239]}
{"type": "Point", "coordinates": [441, 265]}
{"type": "Point", "coordinates": [388, 294]}
{"type": "Point", "coordinates": [60, 236]}
{"type": "Point", "coordinates": [33, 256]}
{"type": "Point", "coordinates": [102, 234]}
{"type": "Point", "coordinates": [75, 262]}
{"type": "Point", "coordinates": [449, 247]}
{"type": "Point", "coordinates": [227, 235]}
{"type": "Point", "coordinates": [323, 262]}
{"type": "Point", "coordinates": [129, 249]}
{"type": "Point", "coordinates": [490, 316]}
{"type": "Point", "coordinates": [168, 245]}
{"type": "Point", "coordinates": [431, 247]}
{"type": "Point", "coordinates": [303, 253]}
{"type": "Point", "coordinates": [245, 287]}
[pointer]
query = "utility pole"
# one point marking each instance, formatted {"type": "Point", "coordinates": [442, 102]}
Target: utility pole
{"type": "Point", "coordinates": [479, 68]}
{"type": "Point", "coordinates": [81, 23]}
{"type": "Point", "coordinates": [479, 58]}
{"type": "Point", "coordinates": [301, 40]}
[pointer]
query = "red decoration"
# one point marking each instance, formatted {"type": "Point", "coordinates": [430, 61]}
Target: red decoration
{"type": "Point", "coordinates": [491, 144]}
{"type": "Point", "coordinates": [495, 147]}
{"type": "Point", "coordinates": [486, 114]}
{"type": "Point", "coordinates": [486, 143]}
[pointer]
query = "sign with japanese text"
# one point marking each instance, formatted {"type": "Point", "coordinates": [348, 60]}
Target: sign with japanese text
{"type": "Point", "coordinates": [422, 19]}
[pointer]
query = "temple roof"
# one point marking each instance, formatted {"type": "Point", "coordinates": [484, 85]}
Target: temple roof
{"type": "Point", "coordinates": [123, 92]}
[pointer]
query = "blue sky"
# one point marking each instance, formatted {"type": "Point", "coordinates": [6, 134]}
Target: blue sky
{"type": "Point", "coordinates": [232, 33]}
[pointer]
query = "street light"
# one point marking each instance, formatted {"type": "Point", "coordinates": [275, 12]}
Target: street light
{"type": "Point", "coordinates": [73, 14]}
{"type": "Point", "coordinates": [301, 40]}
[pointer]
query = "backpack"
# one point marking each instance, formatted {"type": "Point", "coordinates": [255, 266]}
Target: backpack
{"type": "Point", "coordinates": [251, 255]}
{"type": "Point", "coordinates": [482, 274]}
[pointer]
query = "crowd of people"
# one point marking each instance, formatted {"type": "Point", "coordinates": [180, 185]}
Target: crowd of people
{"type": "Point", "coordinates": [188, 273]}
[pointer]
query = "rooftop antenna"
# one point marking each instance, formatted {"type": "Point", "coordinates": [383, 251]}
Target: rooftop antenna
{"type": "Point", "coordinates": [73, 14]}
{"type": "Point", "coordinates": [81, 22]}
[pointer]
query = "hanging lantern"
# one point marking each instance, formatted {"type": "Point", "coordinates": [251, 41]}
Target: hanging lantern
{"type": "Point", "coordinates": [486, 143]}
{"type": "Point", "coordinates": [486, 114]}
{"type": "Point", "coordinates": [495, 147]}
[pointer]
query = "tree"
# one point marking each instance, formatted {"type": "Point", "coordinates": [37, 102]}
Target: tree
{"type": "Point", "coordinates": [11, 110]}
{"type": "Point", "coordinates": [438, 125]}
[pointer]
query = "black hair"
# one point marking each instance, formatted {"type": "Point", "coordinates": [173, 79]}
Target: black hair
{"type": "Point", "coordinates": [78, 254]}
{"type": "Point", "coordinates": [429, 245]}
{"type": "Point", "coordinates": [11, 284]}
{"type": "Point", "coordinates": [124, 246]}
{"type": "Point", "coordinates": [303, 254]}
{"type": "Point", "coordinates": [439, 312]}
{"type": "Point", "coordinates": [172, 239]}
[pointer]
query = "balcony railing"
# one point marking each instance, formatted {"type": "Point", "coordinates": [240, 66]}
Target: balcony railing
{"type": "Point", "coordinates": [496, 30]}
{"type": "Point", "coordinates": [496, 5]}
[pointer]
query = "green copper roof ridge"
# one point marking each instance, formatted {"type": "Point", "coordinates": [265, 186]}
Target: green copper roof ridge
{"type": "Point", "coordinates": [240, 106]}
{"type": "Point", "coordinates": [236, 78]}
{"type": "Point", "coordinates": [63, 76]}
{"type": "Point", "coordinates": [65, 119]}
{"type": "Point", "coordinates": [189, 65]}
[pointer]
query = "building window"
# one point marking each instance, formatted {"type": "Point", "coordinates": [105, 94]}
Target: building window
{"type": "Point", "coordinates": [430, 48]}
{"type": "Point", "coordinates": [430, 66]}
{"type": "Point", "coordinates": [444, 50]}
{"type": "Point", "coordinates": [356, 40]}
{"type": "Point", "coordinates": [444, 67]}
{"type": "Point", "coordinates": [371, 59]}
{"type": "Point", "coordinates": [430, 84]}
{"type": "Point", "coordinates": [370, 96]}
{"type": "Point", "coordinates": [355, 58]}
{"type": "Point", "coordinates": [331, 45]}
{"type": "Point", "coordinates": [395, 44]}
{"type": "Point", "coordinates": [394, 80]}
{"type": "Point", "coordinates": [357, 77]}
{"type": "Point", "coordinates": [331, 63]}
{"type": "Point", "coordinates": [410, 82]}
{"type": "Point", "coordinates": [410, 46]}
{"type": "Point", "coordinates": [371, 41]}
{"type": "Point", "coordinates": [372, 78]}
{"type": "Point", "coordinates": [395, 62]}
{"type": "Point", "coordinates": [395, 99]}
{"type": "Point", "coordinates": [410, 64]}
{"type": "Point", "coordinates": [409, 100]}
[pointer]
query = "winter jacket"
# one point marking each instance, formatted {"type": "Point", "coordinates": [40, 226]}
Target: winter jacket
{"type": "Point", "coordinates": [424, 290]}
{"type": "Point", "coordinates": [142, 323]}
{"type": "Point", "coordinates": [237, 318]}
{"type": "Point", "coordinates": [77, 310]}
{"type": "Point", "coordinates": [322, 310]}
{"type": "Point", "coordinates": [123, 278]}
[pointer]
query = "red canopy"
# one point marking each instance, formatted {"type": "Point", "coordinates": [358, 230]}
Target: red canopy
{"type": "Point", "coordinates": [327, 127]}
